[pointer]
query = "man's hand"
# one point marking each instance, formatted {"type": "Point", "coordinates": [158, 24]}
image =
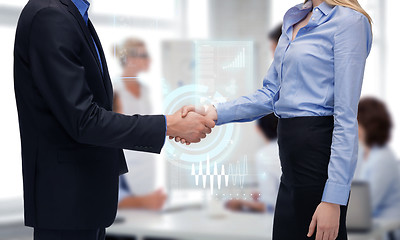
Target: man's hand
{"type": "Point", "coordinates": [193, 127]}
{"type": "Point", "coordinates": [207, 111]}
{"type": "Point", "coordinates": [153, 201]}
{"type": "Point", "coordinates": [326, 220]}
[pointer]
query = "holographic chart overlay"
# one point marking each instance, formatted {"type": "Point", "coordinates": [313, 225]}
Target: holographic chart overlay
{"type": "Point", "coordinates": [216, 146]}
{"type": "Point", "coordinates": [223, 70]}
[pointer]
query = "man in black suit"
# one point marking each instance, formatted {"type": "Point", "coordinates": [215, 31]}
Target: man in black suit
{"type": "Point", "coordinates": [71, 140]}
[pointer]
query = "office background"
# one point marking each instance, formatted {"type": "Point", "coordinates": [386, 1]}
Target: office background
{"type": "Point", "coordinates": [174, 32]}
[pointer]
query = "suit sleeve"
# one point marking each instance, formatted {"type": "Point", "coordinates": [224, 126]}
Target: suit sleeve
{"type": "Point", "coordinates": [59, 76]}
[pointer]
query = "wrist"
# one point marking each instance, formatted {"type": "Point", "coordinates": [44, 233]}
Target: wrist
{"type": "Point", "coordinates": [171, 123]}
{"type": "Point", "coordinates": [331, 204]}
{"type": "Point", "coordinates": [214, 114]}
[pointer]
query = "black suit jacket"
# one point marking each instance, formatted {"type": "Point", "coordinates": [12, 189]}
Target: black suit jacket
{"type": "Point", "coordinates": [71, 140]}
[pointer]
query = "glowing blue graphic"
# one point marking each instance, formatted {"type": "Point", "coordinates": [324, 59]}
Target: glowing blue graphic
{"type": "Point", "coordinates": [222, 70]}
{"type": "Point", "coordinates": [238, 62]}
{"type": "Point", "coordinates": [240, 172]}
{"type": "Point", "coordinates": [216, 146]}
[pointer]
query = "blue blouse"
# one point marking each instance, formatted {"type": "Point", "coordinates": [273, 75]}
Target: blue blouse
{"type": "Point", "coordinates": [319, 73]}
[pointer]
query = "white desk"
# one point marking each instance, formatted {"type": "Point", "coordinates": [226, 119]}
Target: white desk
{"type": "Point", "coordinates": [197, 225]}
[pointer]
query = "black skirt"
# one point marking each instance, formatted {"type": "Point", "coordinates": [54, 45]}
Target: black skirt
{"type": "Point", "coordinates": [304, 150]}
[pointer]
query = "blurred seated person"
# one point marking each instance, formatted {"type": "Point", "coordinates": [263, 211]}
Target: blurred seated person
{"type": "Point", "coordinates": [268, 171]}
{"type": "Point", "coordinates": [126, 199]}
{"type": "Point", "coordinates": [377, 164]}
{"type": "Point", "coordinates": [133, 97]}
{"type": "Point", "coordinates": [153, 201]}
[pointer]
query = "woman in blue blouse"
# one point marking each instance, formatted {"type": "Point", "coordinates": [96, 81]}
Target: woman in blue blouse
{"type": "Point", "coordinates": [313, 86]}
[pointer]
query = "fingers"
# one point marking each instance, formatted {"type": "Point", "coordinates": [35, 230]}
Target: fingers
{"type": "Point", "coordinates": [209, 122]}
{"type": "Point", "coordinates": [186, 109]}
{"type": "Point", "coordinates": [191, 108]}
{"type": "Point", "coordinates": [179, 139]}
{"type": "Point", "coordinates": [335, 234]}
{"type": "Point", "coordinates": [207, 130]}
{"type": "Point", "coordinates": [183, 141]}
{"type": "Point", "coordinates": [319, 235]}
{"type": "Point", "coordinates": [325, 235]}
{"type": "Point", "coordinates": [312, 226]}
{"type": "Point", "coordinates": [202, 110]}
{"type": "Point", "coordinates": [329, 235]}
{"type": "Point", "coordinates": [332, 236]}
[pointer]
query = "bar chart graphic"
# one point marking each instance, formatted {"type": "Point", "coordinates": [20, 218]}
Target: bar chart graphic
{"type": "Point", "coordinates": [221, 64]}
{"type": "Point", "coordinates": [238, 62]}
{"type": "Point", "coordinates": [235, 174]}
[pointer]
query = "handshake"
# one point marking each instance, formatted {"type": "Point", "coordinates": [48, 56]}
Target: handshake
{"type": "Point", "coordinates": [190, 124]}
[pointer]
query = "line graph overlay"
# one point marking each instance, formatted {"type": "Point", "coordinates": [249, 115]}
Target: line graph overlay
{"type": "Point", "coordinates": [236, 173]}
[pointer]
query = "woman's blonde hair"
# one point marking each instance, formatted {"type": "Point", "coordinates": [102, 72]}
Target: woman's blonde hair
{"type": "Point", "coordinates": [128, 48]}
{"type": "Point", "coordinates": [353, 4]}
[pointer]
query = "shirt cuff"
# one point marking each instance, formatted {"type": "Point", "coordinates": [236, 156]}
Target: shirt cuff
{"type": "Point", "coordinates": [336, 193]}
{"type": "Point", "coordinates": [224, 113]}
{"type": "Point", "coordinates": [165, 117]}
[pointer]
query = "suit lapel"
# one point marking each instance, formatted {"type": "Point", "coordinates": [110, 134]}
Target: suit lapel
{"type": "Point", "coordinates": [107, 80]}
{"type": "Point", "coordinates": [85, 29]}
{"type": "Point", "coordinates": [74, 11]}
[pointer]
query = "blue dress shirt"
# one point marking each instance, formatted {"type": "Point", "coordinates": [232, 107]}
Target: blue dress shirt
{"type": "Point", "coordinates": [83, 7]}
{"type": "Point", "coordinates": [319, 73]}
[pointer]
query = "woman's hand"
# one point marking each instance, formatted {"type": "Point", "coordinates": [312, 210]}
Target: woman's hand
{"type": "Point", "coordinates": [208, 111]}
{"type": "Point", "coordinates": [326, 220]}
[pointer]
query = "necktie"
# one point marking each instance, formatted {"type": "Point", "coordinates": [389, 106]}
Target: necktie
{"type": "Point", "coordinates": [86, 17]}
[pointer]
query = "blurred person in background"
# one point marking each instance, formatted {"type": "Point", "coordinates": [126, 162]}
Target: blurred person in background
{"type": "Point", "coordinates": [377, 164]}
{"type": "Point", "coordinates": [133, 96]}
{"type": "Point", "coordinates": [273, 37]}
{"type": "Point", "coordinates": [128, 198]}
{"type": "Point", "coordinates": [268, 170]}
{"type": "Point", "coordinates": [267, 158]}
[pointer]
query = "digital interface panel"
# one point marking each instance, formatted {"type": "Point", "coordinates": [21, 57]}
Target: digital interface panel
{"type": "Point", "coordinates": [221, 71]}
